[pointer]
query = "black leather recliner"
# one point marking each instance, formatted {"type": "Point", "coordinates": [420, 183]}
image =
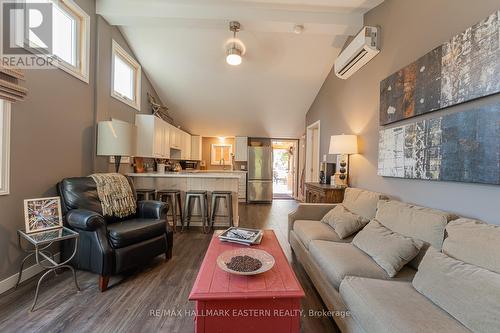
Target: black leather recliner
{"type": "Point", "coordinates": [108, 245]}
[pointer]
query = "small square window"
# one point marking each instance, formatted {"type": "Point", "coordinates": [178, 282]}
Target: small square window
{"type": "Point", "coordinates": [126, 77]}
{"type": "Point", "coordinates": [64, 36]}
{"type": "Point", "coordinates": [71, 38]}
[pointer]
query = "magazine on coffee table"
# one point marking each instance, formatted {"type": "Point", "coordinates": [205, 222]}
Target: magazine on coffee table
{"type": "Point", "coordinates": [243, 236]}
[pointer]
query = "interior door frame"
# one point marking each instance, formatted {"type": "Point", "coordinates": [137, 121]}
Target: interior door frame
{"type": "Point", "coordinates": [310, 159]}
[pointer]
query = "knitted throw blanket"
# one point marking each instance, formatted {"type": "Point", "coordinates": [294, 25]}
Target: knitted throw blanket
{"type": "Point", "coordinates": [115, 194]}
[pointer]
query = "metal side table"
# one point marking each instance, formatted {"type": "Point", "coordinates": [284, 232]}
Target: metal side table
{"type": "Point", "coordinates": [40, 242]}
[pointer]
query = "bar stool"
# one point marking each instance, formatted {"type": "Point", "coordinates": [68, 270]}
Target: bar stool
{"type": "Point", "coordinates": [145, 193]}
{"type": "Point", "coordinates": [227, 196]}
{"type": "Point", "coordinates": [173, 198]}
{"type": "Point", "coordinates": [191, 198]}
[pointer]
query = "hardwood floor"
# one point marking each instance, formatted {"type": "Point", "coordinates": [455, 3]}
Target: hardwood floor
{"type": "Point", "coordinates": [129, 304]}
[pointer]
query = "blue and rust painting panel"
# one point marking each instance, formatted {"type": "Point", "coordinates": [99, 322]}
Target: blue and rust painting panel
{"type": "Point", "coordinates": [463, 69]}
{"type": "Point", "coordinates": [461, 147]}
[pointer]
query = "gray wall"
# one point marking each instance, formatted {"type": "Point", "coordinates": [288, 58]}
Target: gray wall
{"type": "Point", "coordinates": [53, 132]}
{"type": "Point", "coordinates": [108, 107]}
{"type": "Point", "coordinates": [409, 30]}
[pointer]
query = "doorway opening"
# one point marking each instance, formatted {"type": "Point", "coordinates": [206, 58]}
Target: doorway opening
{"type": "Point", "coordinates": [285, 163]}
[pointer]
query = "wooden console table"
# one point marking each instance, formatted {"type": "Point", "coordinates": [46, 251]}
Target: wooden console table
{"type": "Point", "coordinates": [324, 193]}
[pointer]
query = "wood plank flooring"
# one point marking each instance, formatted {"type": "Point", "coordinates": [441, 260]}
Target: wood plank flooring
{"type": "Point", "coordinates": [130, 304]}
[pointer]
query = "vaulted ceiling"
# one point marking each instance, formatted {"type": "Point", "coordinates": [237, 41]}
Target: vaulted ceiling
{"type": "Point", "coordinates": [181, 46]}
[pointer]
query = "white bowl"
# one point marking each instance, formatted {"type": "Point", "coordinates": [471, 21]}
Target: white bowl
{"type": "Point", "coordinates": [265, 258]}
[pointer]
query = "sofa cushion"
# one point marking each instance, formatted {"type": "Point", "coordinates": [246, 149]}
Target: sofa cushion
{"type": "Point", "coordinates": [308, 230]}
{"type": "Point", "coordinates": [338, 260]}
{"type": "Point", "coordinates": [474, 242]}
{"type": "Point", "coordinates": [362, 202]}
{"type": "Point", "coordinates": [413, 221]}
{"type": "Point", "coordinates": [390, 250]}
{"type": "Point", "coordinates": [343, 221]}
{"type": "Point", "coordinates": [422, 223]}
{"type": "Point", "coordinates": [469, 293]}
{"type": "Point", "coordinates": [380, 306]}
{"type": "Point", "coordinates": [122, 234]}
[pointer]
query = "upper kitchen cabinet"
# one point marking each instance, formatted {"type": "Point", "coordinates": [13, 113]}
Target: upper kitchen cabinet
{"type": "Point", "coordinates": [175, 137]}
{"type": "Point", "coordinates": [196, 146]}
{"type": "Point", "coordinates": [241, 149]}
{"type": "Point", "coordinates": [185, 145]}
{"type": "Point", "coordinates": [153, 137]}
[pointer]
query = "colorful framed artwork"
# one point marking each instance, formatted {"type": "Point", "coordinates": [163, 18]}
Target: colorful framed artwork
{"type": "Point", "coordinates": [42, 214]}
{"type": "Point", "coordinates": [461, 147]}
{"type": "Point", "coordinates": [465, 68]}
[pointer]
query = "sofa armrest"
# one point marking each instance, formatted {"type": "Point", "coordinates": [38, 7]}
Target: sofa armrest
{"type": "Point", "coordinates": [151, 209]}
{"type": "Point", "coordinates": [84, 219]}
{"type": "Point", "coordinates": [308, 211]}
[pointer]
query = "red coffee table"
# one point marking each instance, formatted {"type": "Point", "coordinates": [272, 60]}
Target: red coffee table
{"type": "Point", "coordinates": [268, 302]}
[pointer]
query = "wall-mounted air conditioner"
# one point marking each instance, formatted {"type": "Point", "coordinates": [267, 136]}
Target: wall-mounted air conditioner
{"type": "Point", "coordinates": [360, 50]}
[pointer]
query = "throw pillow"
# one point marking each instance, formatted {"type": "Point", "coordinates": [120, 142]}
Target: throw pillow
{"type": "Point", "coordinates": [344, 222]}
{"type": "Point", "coordinates": [467, 292]}
{"type": "Point", "coordinates": [388, 249]}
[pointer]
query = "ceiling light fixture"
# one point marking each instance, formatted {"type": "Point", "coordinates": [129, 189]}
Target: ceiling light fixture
{"type": "Point", "coordinates": [298, 29]}
{"type": "Point", "coordinates": [233, 53]}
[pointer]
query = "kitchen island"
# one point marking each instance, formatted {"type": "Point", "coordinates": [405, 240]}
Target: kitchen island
{"type": "Point", "coordinates": [195, 180]}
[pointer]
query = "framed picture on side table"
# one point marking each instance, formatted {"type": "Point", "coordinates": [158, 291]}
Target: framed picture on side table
{"type": "Point", "coordinates": [42, 214]}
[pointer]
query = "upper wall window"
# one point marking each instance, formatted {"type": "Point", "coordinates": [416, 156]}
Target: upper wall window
{"type": "Point", "coordinates": [126, 77]}
{"type": "Point", "coordinates": [71, 33]}
{"type": "Point", "coordinates": [4, 146]}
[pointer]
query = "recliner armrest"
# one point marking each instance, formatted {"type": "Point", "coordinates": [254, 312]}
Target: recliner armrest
{"type": "Point", "coordinates": [84, 219]}
{"type": "Point", "coordinates": [151, 209]}
{"type": "Point", "coordinates": [308, 211]}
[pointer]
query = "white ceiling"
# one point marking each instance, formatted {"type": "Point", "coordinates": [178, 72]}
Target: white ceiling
{"type": "Point", "coordinates": [180, 44]}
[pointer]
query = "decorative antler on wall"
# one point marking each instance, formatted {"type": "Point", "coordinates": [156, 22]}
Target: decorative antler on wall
{"type": "Point", "coordinates": [160, 111]}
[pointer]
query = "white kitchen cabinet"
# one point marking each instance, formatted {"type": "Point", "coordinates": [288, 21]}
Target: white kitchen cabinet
{"type": "Point", "coordinates": [152, 137]}
{"type": "Point", "coordinates": [185, 145]}
{"type": "Point", "coordinates": [175, 137]}
{"type": "Point", "coordinates": [196, 147]}
{"type": "Point", "coordinates": [242, 187]}
{"type": "Point", "coordinates": [241, 149]}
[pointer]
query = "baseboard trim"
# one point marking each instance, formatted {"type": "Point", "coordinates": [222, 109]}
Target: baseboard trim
{"type": "Point", "coordinates": [28, 273]}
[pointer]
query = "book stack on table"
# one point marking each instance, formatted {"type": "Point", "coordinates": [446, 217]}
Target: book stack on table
{"type": "Point", "coordinates": [243, 236]}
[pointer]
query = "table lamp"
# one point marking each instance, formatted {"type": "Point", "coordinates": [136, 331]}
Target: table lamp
{"type": "Point", "coordinates": [115, 138]}
{"type": "Point", "coordinates": [343, 145]}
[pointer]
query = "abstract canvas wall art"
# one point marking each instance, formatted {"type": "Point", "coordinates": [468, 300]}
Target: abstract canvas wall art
{"type": "Point", "coordinates": [462, 146]}
{"type": "Point", "coordinates": [465, 68]}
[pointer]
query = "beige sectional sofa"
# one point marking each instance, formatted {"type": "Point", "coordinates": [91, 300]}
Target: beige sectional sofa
{"type": "Point", "coordinates": [351, 282]}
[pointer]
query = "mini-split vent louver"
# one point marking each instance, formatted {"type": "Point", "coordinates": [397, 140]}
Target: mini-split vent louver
{"type": "Point", "coordinates": [359, 51]}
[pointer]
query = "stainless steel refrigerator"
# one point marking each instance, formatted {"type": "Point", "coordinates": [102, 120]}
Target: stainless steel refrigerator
{"type": "Point", "coordinates": [260, 174]}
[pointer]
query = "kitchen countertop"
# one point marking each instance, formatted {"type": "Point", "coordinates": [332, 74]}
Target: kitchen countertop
{"type": "Point", "coordinates": [186, 174]}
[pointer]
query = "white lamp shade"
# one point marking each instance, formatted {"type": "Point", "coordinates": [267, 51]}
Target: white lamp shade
{"type": "Point", "coordinates": [343, 144]}
{"type": "Point", "coordinates": [115, 138]}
